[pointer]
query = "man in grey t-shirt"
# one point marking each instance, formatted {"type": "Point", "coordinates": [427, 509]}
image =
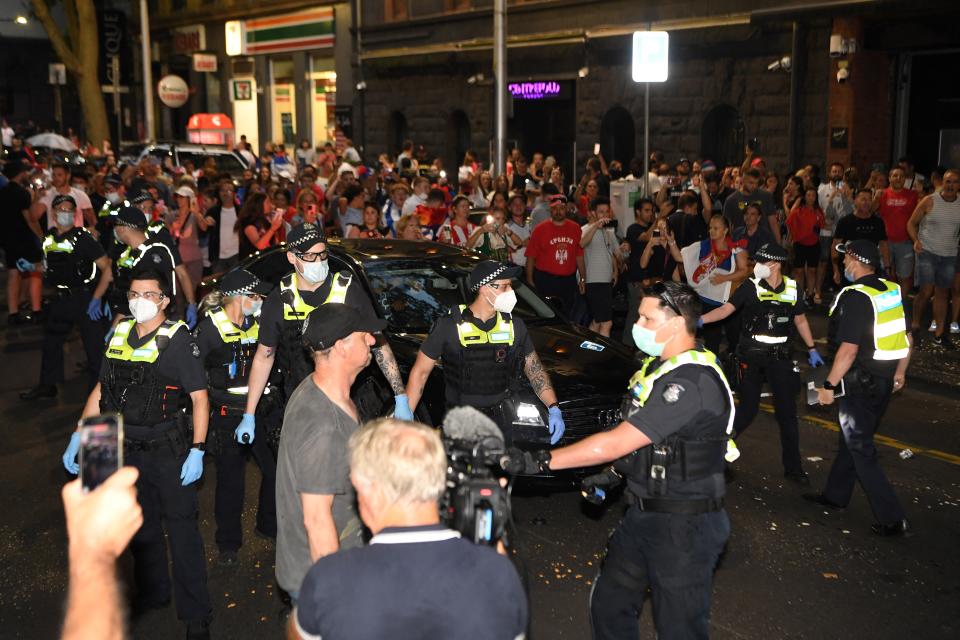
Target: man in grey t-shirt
{"type": "Point", "coordinates": [316, 514]}
{"type": "Point", "coordinates": [750, 193]}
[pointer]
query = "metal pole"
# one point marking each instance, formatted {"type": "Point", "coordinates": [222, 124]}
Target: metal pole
{"type": "Point", "coordinates": [58, 108]}
{"type": "Point", "coordinates": [646, 139]}
{"type": "Point", "coordinates": [795, 73]}
{"type": "Point", "coordinates": [115, 72]}
{"type": "Point", "coordinates": [148, 122]}
{"type": "Point", "coordinates": [500, 84]}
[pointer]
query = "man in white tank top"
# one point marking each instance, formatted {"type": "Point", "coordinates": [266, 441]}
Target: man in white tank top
{"type": "Point", "coordinates": [934, 228]}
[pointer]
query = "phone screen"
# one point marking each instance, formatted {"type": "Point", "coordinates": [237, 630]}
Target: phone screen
{"type": "Point", "coordinates": [596, 149]}
{"type": "Point", "coordinates": [101, 449]}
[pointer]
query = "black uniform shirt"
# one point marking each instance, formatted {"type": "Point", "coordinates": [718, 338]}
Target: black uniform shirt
{"type": "Point", "coordinates": [692, 403]}
{"type": "Point", "coordinates": [208, 337]}
{"type": "Point", "coordinates": [86, 251]}
{"type": "Point", "coordinates": [445, 341]}
{"type": "Point", "coordinates": [180, 360]}
{"type": "Point", "coordinates": [163, 235]}
{"type": "Point", "coordinates": [851, 227]}
{"type": "Point", "coordinates": [271, 315]}
{"type": "Point", "coordinates": [852, 321]}
{"type": "Point", "coordinates": [745, 297]}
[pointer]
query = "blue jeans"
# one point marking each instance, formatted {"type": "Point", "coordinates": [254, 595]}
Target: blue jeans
{"type": "Point", "coordinates": [674, 556]}
{"type": "Point", "coordinates": [935, 270]}
{"type": "Point", "coordinates": [903, 258]}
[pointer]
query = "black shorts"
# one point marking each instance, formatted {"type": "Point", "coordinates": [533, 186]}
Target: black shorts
{"type": "Point", "coordinates": [600, 301]}
{"type": "Point", "coordinates": [806, 255]}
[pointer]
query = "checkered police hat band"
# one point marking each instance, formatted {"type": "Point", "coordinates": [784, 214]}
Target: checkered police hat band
{"type": "Point", "coordinates": [490, 278]}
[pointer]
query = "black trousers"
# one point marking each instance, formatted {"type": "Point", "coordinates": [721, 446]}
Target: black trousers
{"type": "Point", "coordinates": [857, 460]}
{"type": "Point", "coordinates": [562, 287]}
{"type": "Point", "coordinates": [168, 505]}
{"type": "Point", "coordinates": [231, 460]}
{"type": "Point", "coordinates": [714, 333]}
{"type": "Point", "coordinates": [64, 311]}
{"type": "Point", "coordinates": [673, 556]}
{"type": "Point", "coordinates": [784, 382]}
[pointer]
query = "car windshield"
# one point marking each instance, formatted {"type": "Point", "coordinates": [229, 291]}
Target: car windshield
{"type": "Point", "coordinates": [412, 294]}
{"type": "Point", "coordinates": [226, 162]}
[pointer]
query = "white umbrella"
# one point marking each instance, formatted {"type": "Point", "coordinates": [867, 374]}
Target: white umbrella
{"type": "Point", "coordinates": [51, 141]}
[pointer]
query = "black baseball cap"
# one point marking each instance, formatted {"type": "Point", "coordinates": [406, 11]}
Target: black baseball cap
{"type": "Point", "coordinates": [770, 251]}
{"type": "Point", "coordinates": [334, 321]}
{"type": "Point", "coordinates": [239, 282]}
{"type": "Point", "coordinates": [863, 250]}
{"type": "Point", "coordinates": [305, 236]}
{"type": "Point", "coordinates": [487, 272]}
{"type": "Point", "coordinates": [132, 217]}
{"type": "Point", "coordinates": [60, 199]}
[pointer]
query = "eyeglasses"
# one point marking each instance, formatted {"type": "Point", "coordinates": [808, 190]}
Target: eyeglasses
{"type": "Point", "coordinates": [311, 257]}
{"type": "Point", "coordinates": [152, 296]}
{"type": "Point", "coordinates": [660, 290]}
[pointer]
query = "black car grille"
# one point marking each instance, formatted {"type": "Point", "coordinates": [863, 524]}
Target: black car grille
{"type": "Point", "coordinates": [588, 416]}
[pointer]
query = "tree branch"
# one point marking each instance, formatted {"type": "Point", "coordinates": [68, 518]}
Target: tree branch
{"type": "Point", "coordinates": [73, 25]}
{"type": "Point", "coordinates": [63, 50]}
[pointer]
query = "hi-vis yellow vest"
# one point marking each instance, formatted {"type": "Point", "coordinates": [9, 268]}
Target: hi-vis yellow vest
{"type": "Point", "coordinates": [787, 296]}
{"type": "Point", "coordinates": [889, 321]}
{"type": "Point", "coordinates": [470, 334]}
{"type": "Point", "coordinates": [65, 246]}
{"type": "Point", "coordinates": [298, 309]}
{"type": "Point", "coordinates": [119, 349]}
{"type": "Point", "coordinates": [229, 332]}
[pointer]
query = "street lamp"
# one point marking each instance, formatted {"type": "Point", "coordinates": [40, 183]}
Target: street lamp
{"type": "Point", "coordinates": [21, 20]}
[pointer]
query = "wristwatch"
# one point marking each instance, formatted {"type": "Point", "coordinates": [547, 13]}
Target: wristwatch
{"type": "Point", "coordinates": [829, 385]}
{"type": "Point", "coordinates": [199, 446]}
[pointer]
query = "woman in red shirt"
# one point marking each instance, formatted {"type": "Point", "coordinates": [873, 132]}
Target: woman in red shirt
{"type": "Point", "coordinates": [805, 222]}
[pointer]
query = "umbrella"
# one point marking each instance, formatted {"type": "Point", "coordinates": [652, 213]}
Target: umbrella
{"type": "Point", "coordinates": [51, 141]}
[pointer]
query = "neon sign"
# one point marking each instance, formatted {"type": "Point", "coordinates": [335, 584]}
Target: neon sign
{"type": "Point", "coordinates": [534, 90]}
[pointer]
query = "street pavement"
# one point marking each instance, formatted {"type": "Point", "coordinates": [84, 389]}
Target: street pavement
{"type": "Point", "coordinates": [790, 570]}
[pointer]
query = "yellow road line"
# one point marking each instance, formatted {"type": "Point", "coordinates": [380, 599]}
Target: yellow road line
{"type": "Point", "coordinates": [936, 454]}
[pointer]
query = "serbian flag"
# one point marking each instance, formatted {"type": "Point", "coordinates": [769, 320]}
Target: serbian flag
{"type": "Point", "coordinates": [700, 261]}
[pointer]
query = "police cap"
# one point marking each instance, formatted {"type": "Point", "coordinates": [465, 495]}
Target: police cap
{"type": "Point", "coordinates": [132, 217]}
{"type": "Point", "coordinates": [333, 321]}
{"type": "Point", "coordinates": [863, 250]}
{"type": "Point", "coordinates": [305, 236]}
{"type": "Point", "coordinates": [113, 180]}
{"type": "Point", "coordinates": [60, 199]}
{"type": "Point", "coordinates": [769, 252]}
{"type": "Point", "coordinates": [487, 272]}
{"type": "Point", "coordinates": [240, 282]}
{"type": "Point", "coordinates": [141, 196]}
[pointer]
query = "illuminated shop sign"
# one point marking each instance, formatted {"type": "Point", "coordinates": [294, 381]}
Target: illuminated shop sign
{"type": "Point", "coordinates": [535, 90]}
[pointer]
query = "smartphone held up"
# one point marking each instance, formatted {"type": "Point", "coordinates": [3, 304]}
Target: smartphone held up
{"type": "Point", "coordinates": [101, 449]}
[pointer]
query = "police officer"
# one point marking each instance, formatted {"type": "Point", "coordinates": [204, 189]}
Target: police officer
{"type": "Point", "coordinates": [153, 248]}
{"type": "Point", "coordinates": [151, 366]}
{"type": "Point", "coordinates": [227, 337]}
{"type": "Point", "coordinates": [483, 348]}
{"type": "Point", "coordinates": [77, 269]}
{"type": "Point", "coordinates": [281, 322]}
{"type": "Point", "coordinates": [677, 420]}
{"type": "Point", "coordinates": [772, 313]}
{"type": "Point", "coordinates": [107, 210]}
{"type": "Point", "coordinates": [868, 328]}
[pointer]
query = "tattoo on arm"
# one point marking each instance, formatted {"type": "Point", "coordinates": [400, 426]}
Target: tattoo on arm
{"type": "Point", "coordinates": [388, 365]}
{"type": "Point", "coordinates": [539, 379]}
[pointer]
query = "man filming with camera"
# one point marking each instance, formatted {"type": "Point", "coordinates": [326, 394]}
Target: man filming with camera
{"type": "Point", "coordinates": [670, 448]}
{"type": "Point", "coordinates": [417, 578]}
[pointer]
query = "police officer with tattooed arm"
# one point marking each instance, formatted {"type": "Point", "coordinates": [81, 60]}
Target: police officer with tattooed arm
{"type": "Point", "coordinates": [281, 324]}
{"type": "Point", "coordinates": [670, 447]}
{"type": "Point", "coordinates": [482, 347]}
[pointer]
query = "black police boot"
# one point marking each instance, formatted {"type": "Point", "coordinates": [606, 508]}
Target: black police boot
{"type": "Point", "coordinates": [40, 392]}
{"type": "Point", "coordinates": [198, 630]}
{"type": "Point", "coordinates": [901, 528]}
{"type": "Point", "coordinates": [818, 499]}
{"type": "Point", "coordinates": [798, 477]}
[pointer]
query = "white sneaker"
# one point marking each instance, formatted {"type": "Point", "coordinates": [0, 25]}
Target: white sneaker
{"type": "Point", "coordinates": [933, 326]}
{"type": "Point", "coordinates": [954, 327]}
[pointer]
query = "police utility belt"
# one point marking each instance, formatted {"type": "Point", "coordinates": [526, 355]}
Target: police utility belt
{"type": "Point", "coordinates": [675, 458]}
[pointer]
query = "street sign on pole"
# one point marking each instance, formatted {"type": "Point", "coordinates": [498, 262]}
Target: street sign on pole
{"type": "Point", "coordinates": [58, 73]}
{"type": "Point", "coordinates": [650, 62]}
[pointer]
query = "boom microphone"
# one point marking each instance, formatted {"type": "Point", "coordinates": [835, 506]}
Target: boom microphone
{"type": "Point", "coordinates": [469, 425]}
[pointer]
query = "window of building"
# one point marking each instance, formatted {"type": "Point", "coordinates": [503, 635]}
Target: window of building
{"type": "Point", "coordinates": [397, 132]}
{"type": "Point", "coordinates": [617, 136]}
{"type": "Point", "coordinates": [722, 136]}
{"type": "Point", "coordinates": [395, 10]}
{"type": "Point", "coordinates": [457, 138]}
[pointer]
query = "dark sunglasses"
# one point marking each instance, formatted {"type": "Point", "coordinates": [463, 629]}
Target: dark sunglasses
{"type": "Point", "coordinates": [660, 290]}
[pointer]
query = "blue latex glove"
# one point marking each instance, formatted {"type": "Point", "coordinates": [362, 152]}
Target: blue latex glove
{"type": "Point", "coordinates": [95, 309]}
{"type": "Point", "coordinates": [107, 311]}
{"type": "Point", "coordinates": [245, 429]}
{"type": "Point", "coordinates": [556, 425]}
{"type": "Point", "coordinates": [192, 467]}
{"type": "Point", "coordinates": [25, 265]}
{"type": "Point", "coordinates": [814, 358]}
{"type": "Point", "coordinates": [191, 316]}
{"type": "Point", "coordinates": [70, 455]}
{"type": "Point", "coordinates": [402, 409]}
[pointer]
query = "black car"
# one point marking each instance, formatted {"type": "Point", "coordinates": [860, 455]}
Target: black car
{"type": "Point", "coordinates": [413, 283]}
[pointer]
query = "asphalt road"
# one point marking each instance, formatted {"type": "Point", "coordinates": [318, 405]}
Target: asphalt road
{"type": "Point", "coordinates": [790, 570]}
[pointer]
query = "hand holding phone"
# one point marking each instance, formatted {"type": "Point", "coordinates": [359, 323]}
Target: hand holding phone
{"type": "Point", "coordinates": [101, 449]}
{"type": "Point", "coordinates": [596, 149]}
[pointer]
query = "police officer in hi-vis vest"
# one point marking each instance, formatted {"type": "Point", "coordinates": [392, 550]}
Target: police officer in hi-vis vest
{"type": "Point", "coordinates": [77, 269]}
{"type": "Point", "coordinates": [281, 322]}
{"type": "Point", "coordinates": [670, 447]}
{"type": "Point", "coordinates": [227, 336]}
{"type": "Point", "coordinates": [151, 368]}
{"type": "Point", "coordinates": [869, 329]}
{"type": "Point", "coordinates": [483, 349]}
{"type": "Point", "coordinates": [772, 314]}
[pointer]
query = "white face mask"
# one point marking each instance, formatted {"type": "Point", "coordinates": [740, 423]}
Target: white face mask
{"type": "Point", "coordinates": [505, 302]}
{"type": "Point", "coordinates": [315, 272]}
{"type": "Point", "coordinates": [113, 197]}
{"type": "Point", "coordinates": [253, 308]}
{"type": "Point", "coordinates": [64, 218]}
{"type": "Point", "coordinates": [143, 310]}
{"type": "Point", "coordinates": [761, 271]}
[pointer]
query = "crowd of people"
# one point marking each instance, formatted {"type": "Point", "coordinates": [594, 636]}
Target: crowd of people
{"type": "Point", "coordinates": [734, 255]}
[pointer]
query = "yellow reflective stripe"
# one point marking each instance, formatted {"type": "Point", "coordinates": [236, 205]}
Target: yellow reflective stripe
{"type": "Point", "coordinates": [119, 349]}
{"type": "Point", "coordinates": [501, 333]}
{"type": "Point", "coordinates": [299, 310]}
{"type": "Point", "coordinates": [890, 328]}
{"type": "Point", "coordinates": [788, 295]}
{"type": "Point", "coordinates": [338, 291]}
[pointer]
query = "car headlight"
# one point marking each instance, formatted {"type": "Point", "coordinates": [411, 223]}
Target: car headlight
{"type": "Point", "coordinates": [528, 414]}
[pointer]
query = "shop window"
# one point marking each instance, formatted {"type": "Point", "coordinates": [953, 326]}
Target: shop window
{"type": "Point", "coordinates": [395, 10]}
{"type": "Point", "coordinates": [617, 136]}
{"type": "Point", "coordinates": [722, 136]}
{"type": "Point", "coordinates": [397, 132]}
{"type": "Point", "coordinates": [457, 139]}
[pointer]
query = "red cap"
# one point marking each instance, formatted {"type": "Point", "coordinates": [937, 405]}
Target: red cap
{"type": "Point", "coordinates": [756, 162]}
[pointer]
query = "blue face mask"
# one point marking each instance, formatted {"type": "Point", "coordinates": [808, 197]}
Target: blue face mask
{"type": "Point", "coordinates": [645, 339]}
{"type": "Point", "coordinates": [848, 275]}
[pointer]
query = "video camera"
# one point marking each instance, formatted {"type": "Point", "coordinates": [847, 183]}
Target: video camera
{"type": "Point", "coordinates": [474, 502]}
